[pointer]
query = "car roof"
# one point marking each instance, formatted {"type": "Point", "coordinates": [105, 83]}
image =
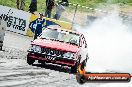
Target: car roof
{"type": "Point", "coordinates": [57, 27]}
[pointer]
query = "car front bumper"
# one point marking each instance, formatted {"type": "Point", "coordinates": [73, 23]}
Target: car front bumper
{"type": "Point", "coordinates": [51, 59]}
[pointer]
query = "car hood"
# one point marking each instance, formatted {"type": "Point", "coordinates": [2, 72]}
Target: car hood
{"type": "Point", "coordinates": [56, 45]}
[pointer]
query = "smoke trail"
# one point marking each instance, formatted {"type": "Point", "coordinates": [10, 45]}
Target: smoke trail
{"type": "Point", "coordinates": [109, 44]}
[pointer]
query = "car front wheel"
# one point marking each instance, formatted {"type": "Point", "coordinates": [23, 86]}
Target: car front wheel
{"type": "Point", "coordinates": [74, 68]}
{"type": "Point", "coordinates": [30, 61]}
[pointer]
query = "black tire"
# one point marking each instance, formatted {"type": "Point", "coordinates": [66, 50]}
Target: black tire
{"type": "Point", "coordinates": [30, 61]}
{"type": "Point", "coordinates": [43, 63]}
{"type": "Point", "coordinates": [81, 79]}
{"type": "Point", "coordinates": [85, 62]}
{"type": "Point", "coordinates": [74, 68]}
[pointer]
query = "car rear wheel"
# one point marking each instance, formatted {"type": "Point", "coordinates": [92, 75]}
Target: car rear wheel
{"type": "Point", "coordinates": [30, 61]}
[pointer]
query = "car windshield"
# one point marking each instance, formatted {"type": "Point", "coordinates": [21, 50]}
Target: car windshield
{"type": "Point", "coordinates": [60, 35]}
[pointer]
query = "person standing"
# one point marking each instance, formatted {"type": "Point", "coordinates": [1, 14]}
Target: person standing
{"type": "Point", "coordinates": [17, 4]}
{"type": "Point", "coordinates": [66, 2]}
{"type": "Point", "coordinates": [36, 26]}
{"type": "Point", "coordinates": [49, 6]}
{"type": "Point", "coordinates": [60, 8]}
{"type": "Point", "coordinates": [22, 7]}
{"type": "Point", "coordinates": [2, 31]}
{"type": "Point", "coordinates": [33, 6]}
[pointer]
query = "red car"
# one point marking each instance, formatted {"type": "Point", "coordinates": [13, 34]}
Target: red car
{"type": "Point", "coordinates": [59, 46]}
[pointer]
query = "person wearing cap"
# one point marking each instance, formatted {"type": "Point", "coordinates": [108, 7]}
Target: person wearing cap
{"type": "Point", "coordinates": [37, 25]}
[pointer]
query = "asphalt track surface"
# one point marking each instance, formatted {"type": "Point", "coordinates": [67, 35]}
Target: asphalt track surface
{"type": "Point", "coordinates": [15, 72]}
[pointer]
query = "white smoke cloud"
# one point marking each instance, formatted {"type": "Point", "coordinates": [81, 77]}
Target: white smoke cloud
{"type": "Point", "coordinates": [109, 44]}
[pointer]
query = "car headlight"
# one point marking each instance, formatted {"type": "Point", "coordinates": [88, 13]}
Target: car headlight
{"type": "Point", "coordinates": [33, 47]}
{"type": "Point", "coordinates": [36, 48]}
{"type": "Point", "coordinates": [68, 55]}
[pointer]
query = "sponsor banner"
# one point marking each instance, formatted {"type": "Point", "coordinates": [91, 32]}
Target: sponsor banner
{"type": "Point", "coordinates": [103, 77]}
{"type": "Point", "coordinates": [17, 20]}
{"type": "Point", "coordinates": [47, 22]}
{"type": "Point", "coordinates": [82, 76]}
{"type": "Point", "coordinates": [116, 77]}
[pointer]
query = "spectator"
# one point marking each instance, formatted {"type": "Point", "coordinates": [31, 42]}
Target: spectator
{"type": "Point", "coordinates": [2, 31]}
{"type": "Point", "coordinates": [60, 8]}
{"type": "Point", "coordinates": [18, 3]}
{"type": "Point", "coordinates": [22, 7]}
{"type": "Point", "coordinates": [66, 2]}
{"type": "Point", "coordinates": [49, 6]}
{"type": "Point", "coordinates": [37, 25]}
{"type": "Point", "coordinates": [33, 6]}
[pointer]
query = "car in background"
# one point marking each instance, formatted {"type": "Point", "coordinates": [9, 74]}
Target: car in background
{"type": "Point", "coordinates": [59, 46]}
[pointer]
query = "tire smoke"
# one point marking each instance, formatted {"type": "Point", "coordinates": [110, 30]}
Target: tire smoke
{"type": "Point", "coordinates": [109, 44]}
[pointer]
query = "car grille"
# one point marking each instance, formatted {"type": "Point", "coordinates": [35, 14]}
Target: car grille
{"type": "Point", "coordinates": [53, 55]}
{"type": "Point", "coordinates": [52, 52]}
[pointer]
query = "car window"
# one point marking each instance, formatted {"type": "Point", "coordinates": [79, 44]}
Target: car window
{"type": "Point", "coordinates": [49, 34]}
{"type": "Point", "coordinates": [61, 35]}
